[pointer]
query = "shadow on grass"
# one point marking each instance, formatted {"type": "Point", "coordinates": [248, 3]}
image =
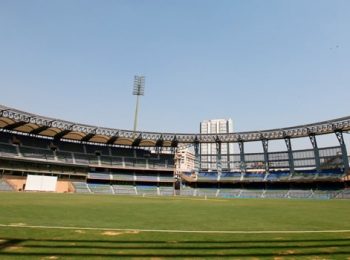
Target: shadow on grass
{"type": "Point", "coordinates": [10, 243]}
{"type": "Point", "coordinates": [23, 248]}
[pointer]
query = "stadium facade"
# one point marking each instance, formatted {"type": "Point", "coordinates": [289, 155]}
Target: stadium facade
{"type": "Point", "coordinates": [94, 159]}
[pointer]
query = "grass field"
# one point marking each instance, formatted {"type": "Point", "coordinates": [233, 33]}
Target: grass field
{"type": "Point", "coordinates": [72, 226]}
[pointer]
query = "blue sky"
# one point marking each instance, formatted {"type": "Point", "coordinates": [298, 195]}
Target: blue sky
{"type": "Point", "coordinates": [265, 64]}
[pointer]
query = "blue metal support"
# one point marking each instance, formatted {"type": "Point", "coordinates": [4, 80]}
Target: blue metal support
{"type": "Point", "coordinates": [218, 157]}
{"type": "Point", "coordinates": [316, 152]}
{"type": "Point", "coordinates": [228, 159]}
{"type": "Point", "coordinates": [197, 157]}
{"type": "Point", "coordinates": [344, 152]}
{"type": "Point", "coordinates": [265, 144]}
{"type": "Point", "coordinates": [242, 165]}
{"type": "Point", "coordinates": [290, 154]}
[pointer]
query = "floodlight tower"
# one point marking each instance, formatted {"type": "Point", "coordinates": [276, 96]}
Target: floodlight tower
{"type": "Point", "coordinates": [139, 90]}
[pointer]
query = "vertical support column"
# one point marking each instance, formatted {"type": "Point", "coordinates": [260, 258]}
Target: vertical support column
{"type": "Point", "coordinates": [147, 164]}
{"type": "Point", "coordinates": [228, 157]}
{"type": "Point", "coordinates": [197, 164]}
{"type": "Point", "coordinates": [265, 144]}
{"type": "Point", "coordinates": [55, 155]}
{"type": "Point", "coordinates": [218, 157]}
{"type": "Point", "coordinates": [242, 164]}
{"type": "Point", "coordinates": [177, 173]}
{"type": "Point", "coordinates": [123, 162]}
{"type": "Point", "coordinates": [73, 158]}
{"type": "Point", "coordinates": [344, 152]}
{"type": "Point", "coordinates": [316, 152]}
{"type": "Point", "coordinates": [99, 160]}
{"type": "Point", "coordinates": [290, 155]}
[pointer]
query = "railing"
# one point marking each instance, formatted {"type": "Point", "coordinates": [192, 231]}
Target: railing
{"type": "Point", "coordinates": [330, 157]}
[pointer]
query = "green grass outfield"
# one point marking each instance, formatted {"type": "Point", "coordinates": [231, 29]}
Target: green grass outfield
{"type": "Point", "coordinates": [73, 226]}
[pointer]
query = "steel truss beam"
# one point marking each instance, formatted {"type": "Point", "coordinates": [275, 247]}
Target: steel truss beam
{"type": "Point", "coordinates": [325, 127]}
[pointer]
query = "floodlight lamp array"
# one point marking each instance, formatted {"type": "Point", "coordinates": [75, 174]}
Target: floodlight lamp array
{"type": "Point", "coordinates": [139, 86]}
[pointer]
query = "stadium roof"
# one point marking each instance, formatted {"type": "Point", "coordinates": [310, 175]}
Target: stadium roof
{"type": "Point", "coordinates": [20, 121]}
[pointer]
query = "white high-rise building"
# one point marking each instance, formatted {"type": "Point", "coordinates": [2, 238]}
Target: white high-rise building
{"type": "Point", "coordinates": [209, 151]}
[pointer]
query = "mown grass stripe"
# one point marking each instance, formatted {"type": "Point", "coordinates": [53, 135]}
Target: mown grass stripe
{"type": "Point", "coordinates": [182, 231]}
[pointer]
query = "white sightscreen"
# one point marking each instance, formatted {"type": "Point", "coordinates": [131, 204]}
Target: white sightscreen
{"type": "Point", "coordinates": [41, 183]}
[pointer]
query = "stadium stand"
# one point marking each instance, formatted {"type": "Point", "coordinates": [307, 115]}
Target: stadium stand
{"type": "Point", "coordinates": [31, 152]}
{"type": "Point", "coordinates": [124, 190]}
{"type": "Point", "coordinates": [275, 194]}
{"type": "Point", "coordinates": [100, 188]}
{"type": "Point", "coordinates": [166, 191]}
{"type": "Point", "coordinates": [8, 150]}
{"type": "Point", "coordinates": [207, 176]}
{"type": "Point", "coordinates": [123, 176]}
{"type": "Point", "coordinates": [125, 162]}
{"type": "Point", "coordinates": [203, 192]}
{"type": "Point", "coordinates": [146, 178]}
{"type": "Point", "coordinates": [99, 176]}
{"type": "Point", "coordinates": [4, 186]}
{"type": "Point", "coordinates": [144, 190]}
{"type": "Point", "coordinates": [254, 176]}
{"type": "Point", "coordinates": [81, 187]}
{"type": "Point", "coordinates": [251, 193]}
{"type": "Point", "coordinates": [164, 178]}
{"type": "Point", "coordinates": [299, 194]}
{"type": "Point", "coordinates": [230, 193]}
{"type": "Point", "coordinates": [230, 176]}
{"type": "Point", "coordinates": [323, 194]}
{"type": "Point", "coordinates": [278, 176]}
{"type": "Point", "coordinates": [187, 191]}
{"type": "Point", "coordinates": [343, 194]}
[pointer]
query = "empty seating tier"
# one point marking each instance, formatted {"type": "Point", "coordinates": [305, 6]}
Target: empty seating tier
{"type": "Point", "coordinates": [81, 187]}
{"type": "Point", "coordinates": [100, 188]}
{"type": "Point", "coordinates": [166, 191]}
{"type": "Point", "coordinates": [206, 192]}
{"type": "Point", "coordinates": [124, 189]}
{"type": "Point", "coordinates": [4, 186]}
{"type": "Point", "coordinates": [147, 190]}
{"type": "Point", "coordinates": [8, 150]}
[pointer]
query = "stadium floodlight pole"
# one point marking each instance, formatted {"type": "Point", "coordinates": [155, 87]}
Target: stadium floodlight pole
{"type": "Point", "coordinates": [139, 90]}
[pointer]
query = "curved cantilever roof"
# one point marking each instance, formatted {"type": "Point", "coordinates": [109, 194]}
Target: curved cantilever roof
{"type": "Point", "coordinates": [16, 120]}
